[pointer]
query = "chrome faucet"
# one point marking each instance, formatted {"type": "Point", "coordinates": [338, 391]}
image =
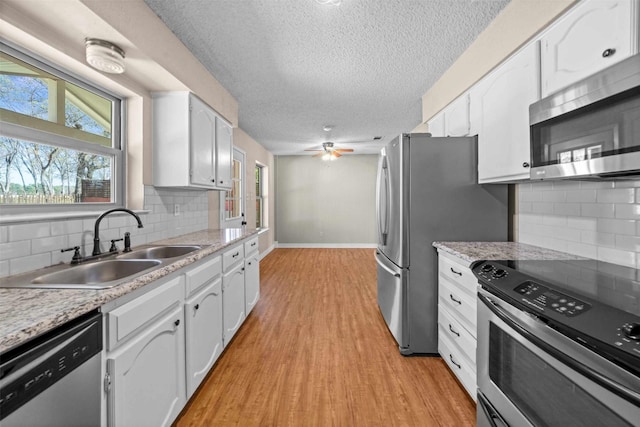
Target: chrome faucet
{"type": "Point", "coordinates": [96, 230]}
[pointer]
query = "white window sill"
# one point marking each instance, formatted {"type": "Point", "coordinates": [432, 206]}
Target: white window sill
{"type": "Point", "coordinates": [55, 216]}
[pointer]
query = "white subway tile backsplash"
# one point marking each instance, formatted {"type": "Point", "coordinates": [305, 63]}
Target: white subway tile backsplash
{"type": "Point", "coordinates": [616, 195]}
{"type": "Point", "coordinates": [598, 210]}
{"type": "Point", "coordinates": [28, 263]}
{"type": "Point", "coordinates": [628, 211]}
{"type": "Point", "coordinates": [596, 219]}
{"type": "Point", "coordinates": [15, 249]}
{"type": "Point", "coordinates": [25, 247]}
{"type": "Point", "coordinates": [48, 244]}
{"type": "Point", "coordinates": [29, 231]}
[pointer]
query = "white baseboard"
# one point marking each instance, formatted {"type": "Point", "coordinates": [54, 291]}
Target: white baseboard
{"type": "Point", "coordinates": [266, 252]}
{"type": "Point", "coordinates": [327, 245]}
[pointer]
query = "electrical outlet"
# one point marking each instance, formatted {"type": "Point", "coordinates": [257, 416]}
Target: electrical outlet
{"type": "Point", "coordinates": [176, 209]}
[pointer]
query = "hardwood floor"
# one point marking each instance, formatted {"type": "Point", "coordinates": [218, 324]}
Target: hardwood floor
{"type": "Point", "coordinates": [315, 352]}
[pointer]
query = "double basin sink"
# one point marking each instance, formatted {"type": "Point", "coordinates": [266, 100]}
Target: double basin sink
{"type": "Point", "coordinates": [108, 273]}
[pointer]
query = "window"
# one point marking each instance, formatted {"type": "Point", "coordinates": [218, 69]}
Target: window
{"type": "Point", "coordinates": [59, 138]}
{"type": "Point", "coordinates": [260, 215]}
{"type": "Point", "coordinates": [232, 201]}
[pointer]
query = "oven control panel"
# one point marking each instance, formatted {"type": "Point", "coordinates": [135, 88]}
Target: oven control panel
{"type": "Point", "coordinates": [542, 296]}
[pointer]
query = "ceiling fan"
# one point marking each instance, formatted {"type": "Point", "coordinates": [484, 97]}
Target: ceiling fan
{"type": "Point", "coordinates": [329, 153]}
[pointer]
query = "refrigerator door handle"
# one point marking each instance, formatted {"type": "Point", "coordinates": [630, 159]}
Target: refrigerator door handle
{"type": "Point", "coordinates": [385, 267]}
{"type": "Point", "coordinates": [382, 204]}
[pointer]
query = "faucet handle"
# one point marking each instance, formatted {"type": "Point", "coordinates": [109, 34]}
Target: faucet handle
{"type": "Point", "coordinates": [113, 247]}
{"type": "Point", "coordinates": [76, 254]}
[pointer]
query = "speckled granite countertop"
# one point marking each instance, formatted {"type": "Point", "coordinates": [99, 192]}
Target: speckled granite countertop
{"type": "Point", "coordinates": [475, 251]}
{"type": "Point", "coordinates": [26, 313]}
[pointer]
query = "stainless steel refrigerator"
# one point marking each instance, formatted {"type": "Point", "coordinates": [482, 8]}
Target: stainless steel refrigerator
{"type": "Point", "coordinates": [427, 191]}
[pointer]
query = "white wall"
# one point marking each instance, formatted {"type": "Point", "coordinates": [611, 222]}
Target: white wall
{"type": "Point", "coordinates": [326, 202]}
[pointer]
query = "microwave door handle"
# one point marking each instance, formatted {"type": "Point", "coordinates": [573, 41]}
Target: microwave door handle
{"type": "Point", "coordinates": [587, 371]}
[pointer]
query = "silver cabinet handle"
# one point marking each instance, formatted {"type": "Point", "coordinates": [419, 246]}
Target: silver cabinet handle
{"type": "Point", "coordinates": [608, 52]}
{"type": "Point", "coordinates": [526, 165]}
{"type": "Point", "coordinates": [456, 272]}
{"type": "Point", "coordinates": [455, 300]}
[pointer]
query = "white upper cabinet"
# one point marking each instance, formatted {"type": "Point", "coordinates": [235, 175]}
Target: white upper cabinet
{"type": "Point", "coordinates": [500, 114]}
{"type": "Point", "coordinates": [456, 117]}
{"type": "Point", "coordinates": [453, 120]}
{"type": "Point", "coordinates": [436, 124]}
{"type": "Point", "coordinates": [192, 145]}
{"type": "Point", "coordinates": [591, 37]}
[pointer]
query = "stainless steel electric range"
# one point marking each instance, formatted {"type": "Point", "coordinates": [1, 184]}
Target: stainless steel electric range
{"type": "Point", "coordinates": [558, 343]}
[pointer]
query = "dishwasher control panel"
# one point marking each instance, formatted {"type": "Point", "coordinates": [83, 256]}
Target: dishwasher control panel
{"type": "Point", "coordinates": [30, 369]}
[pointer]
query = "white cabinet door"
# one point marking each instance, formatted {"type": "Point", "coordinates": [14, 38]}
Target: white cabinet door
{"type": "Point", "coordinates": [203, 318]}
{"type": "Point", "coordinates": [252, 281]}
{"type": "Point", "coordinates": [436, 125]}
{"type": "Point", "coordinates": [147, 376]}
{"type": "Point", "coordinates": [500, 107]}
{"type": "Point", "coordinates": [203, 143]}
{"type": "Point", "coordinates": [224, 152]}
{"type": "Point", "coordinates": [591, 37]}
{"type": "Point", "coordinates": [233, 304]}
{"type": "Point", "coordinates": [456, 117]}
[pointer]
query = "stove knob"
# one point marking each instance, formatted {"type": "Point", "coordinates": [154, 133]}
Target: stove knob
{"type": "Point", "coordinates": [499, 273]}
{"type": "Point", "coordinates": [487, 268]}
{"type": "Point", "coordinates": [632, 330]}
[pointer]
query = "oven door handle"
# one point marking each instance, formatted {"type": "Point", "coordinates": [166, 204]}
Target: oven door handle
{"type": "Point", "coordinates": [490, 413]}
{"type": "Point", "coordinates": [577, 366]}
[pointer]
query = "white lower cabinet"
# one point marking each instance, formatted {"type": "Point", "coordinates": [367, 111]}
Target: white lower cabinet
{"type": "Point", "coordinates": [146, 370]}
{"type": "Point", "coordinates": [457, 325]}
{"type": "Point", "coordinates": [161, 344]}
{"type": "Point", "coordinates": [233, 304]}
{"type": "Point", "coordinates": [203, 316]}
{"type": "Point", "coordinates": [251, 275]}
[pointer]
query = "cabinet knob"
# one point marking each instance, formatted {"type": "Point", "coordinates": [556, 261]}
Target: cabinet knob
{"type": "Point", "coordinates": [177, 322]}
{"type": "Point", "coordinates": [221, 182]}
{"type": "Point", "coordinates": [196, 307]}
{"type": "Point", "coordinates": [608, 52]}
{"type": "Point", "coordinates": [213, 180]}
{"type": "Point", "coordinates": [526, 165]}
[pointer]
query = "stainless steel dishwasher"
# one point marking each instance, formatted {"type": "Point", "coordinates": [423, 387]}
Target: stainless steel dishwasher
{"type": "Point", "coordinates": [54, 380]}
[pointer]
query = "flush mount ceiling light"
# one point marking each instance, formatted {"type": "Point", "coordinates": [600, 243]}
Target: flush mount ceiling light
{"type": "Point", "coordinates": [105, 56]}
{"type": "Point", "coordinates": [330, 2]}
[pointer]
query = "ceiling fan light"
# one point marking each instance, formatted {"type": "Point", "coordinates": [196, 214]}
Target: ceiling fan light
{"type": "Point", "coordinates": [327, 156]}
{"type": "Point", "coordinates": [104, 56]}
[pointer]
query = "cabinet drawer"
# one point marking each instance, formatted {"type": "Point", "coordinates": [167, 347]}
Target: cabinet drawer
{"type": "Point", "coordinates": [232, 257]}
{"type": "Point", "coordinates": [459, 303]}
{"type": "Point", "coordinates": [125, 321]}
{"type": "Point", "coordinates": [203, 274]}
{"type": "Point", "coordinates": [251, 246]}
{"type": "Point", "coordinates": [459, 274]}
{"type": "Point", "coordinates": [458, 364]}
{"type": "Point", "coordinates": [457, 334]}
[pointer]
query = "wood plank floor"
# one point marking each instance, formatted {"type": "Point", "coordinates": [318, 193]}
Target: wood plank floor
{"type": "Point", "coordinates": [315, 352]}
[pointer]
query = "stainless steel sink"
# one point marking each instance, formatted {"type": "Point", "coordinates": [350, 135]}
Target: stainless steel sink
{"type": "Point", "coordinates": [97, 275]}
{"type": "Point", "coordinates": [160, 252]}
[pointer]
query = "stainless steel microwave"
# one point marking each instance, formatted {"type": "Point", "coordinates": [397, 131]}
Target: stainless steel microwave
{"type": "Point", "coordinates": [591, 128]}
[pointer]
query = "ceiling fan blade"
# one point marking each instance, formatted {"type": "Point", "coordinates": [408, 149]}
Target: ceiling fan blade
{"type": "Point", "coordinates": [319, 154]}
{"type": "Point", "coordinates": [335, 153]}
{"type": "Point", "coordinates": [313, 150]}
{"type": "Point", "coordinates": [344, 150]}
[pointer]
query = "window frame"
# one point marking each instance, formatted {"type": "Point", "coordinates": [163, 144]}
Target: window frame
{"type": "Point", "coordinates": [235, 222]}
{"type": "Point", "coordinates": [260, 219]}
{"type": "Point", "coordinates": [39, 136]}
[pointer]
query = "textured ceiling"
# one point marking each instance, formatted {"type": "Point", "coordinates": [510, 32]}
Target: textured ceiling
{"type": "Point", "coordinates": [295, 66]}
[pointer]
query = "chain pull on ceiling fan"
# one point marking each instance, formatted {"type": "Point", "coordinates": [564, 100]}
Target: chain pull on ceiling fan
{"type": "Point", "coordinates": [330, 153]}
